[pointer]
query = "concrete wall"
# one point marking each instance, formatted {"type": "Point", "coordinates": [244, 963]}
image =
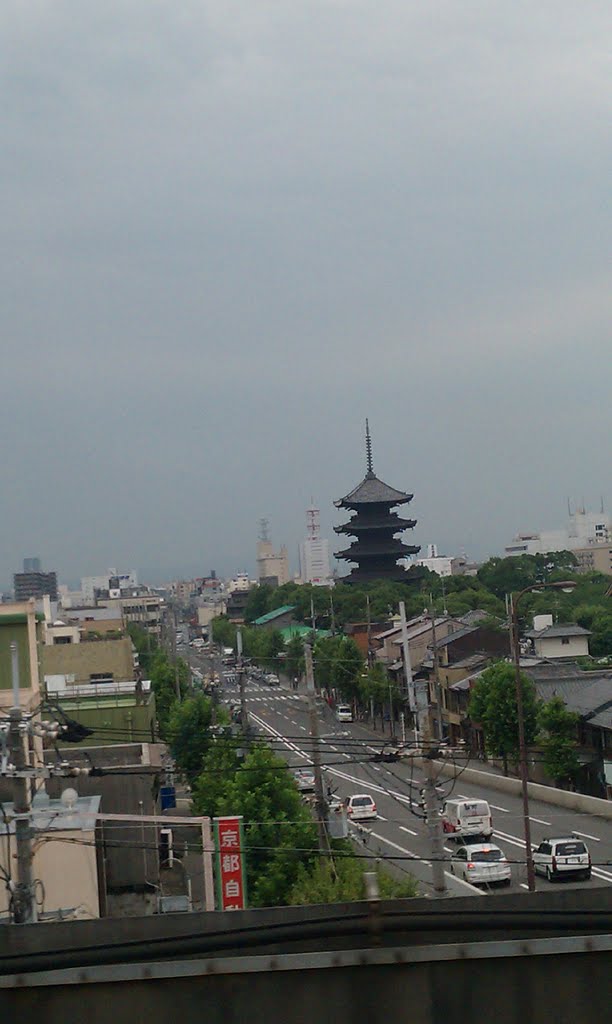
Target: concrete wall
{"type": "Point", "coordinates": [547, 794]}
{"type": "Point", "coordinates": [408, 961]}
{"type": "Point", "coordinates": [93, 657]}
{"type": "Point", "coordinates": [552, 647]}
{"type": "Point", "coordinates": [66, 864]}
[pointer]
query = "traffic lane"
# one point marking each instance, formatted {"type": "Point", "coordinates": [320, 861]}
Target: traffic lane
{"type": "Point", "coordinates": [508, 831]}
{"type": "Point", "coordinates": [400, 845]}
{"type": "Point", "coordinates": [379, 779]}
{"type": "Point", "coordinates": [508, 834]}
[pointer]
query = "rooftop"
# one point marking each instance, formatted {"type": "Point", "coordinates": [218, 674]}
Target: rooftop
{"type": "Point", "coordinates": [588, 694]}
{"type": "Point", "coordinates": [274, 614]}
{"type": "Point", "coordinates": [372, 491]}
{"type": "Point", "coordinates": [555, 632]}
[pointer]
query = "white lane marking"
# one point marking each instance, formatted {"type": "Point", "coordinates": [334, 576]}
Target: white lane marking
{"type": "Point", "coordinates": [409, 830]}
{"type": "Point", "coordinates": [540, 821]}
{"type": "Point", "coordinates": [373, 766]}
{"type": "Point", "coordinates": [523, 886]}
{"type": "Point", "coordinates": [402, 849]}
{"type": "Point", "coordinates": [496, 808]}
{"type": "Point", "coordinates": [302, 727]}
{"type": "Point", "coordinates": [585, 835]}
{"type": "Point", "coordinates": [380, 817]}
{"type": "Point", "coordinates": [448, 849]}
{"type": "Point", "coordinates": [512, 839]}
{"type": "Point", "coordinates": [332, 747]}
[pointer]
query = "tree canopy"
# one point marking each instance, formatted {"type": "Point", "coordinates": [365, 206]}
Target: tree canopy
{"type": "Point", "coordinates": [493, 706]}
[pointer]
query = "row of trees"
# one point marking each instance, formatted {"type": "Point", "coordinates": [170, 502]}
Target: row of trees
{"type": "Point", "coordinates": [282, 860]}
{"type": "Point", "coordinates": [169, 679]}
{"type": "Point", "coordinates": [550, 729]}
{"type": "Point", "coordinates": [586, 605]}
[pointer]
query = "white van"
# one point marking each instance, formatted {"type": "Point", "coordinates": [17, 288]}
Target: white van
{"type": "Point", "coordinates": [467, 818]}
{"type": "Point", "coordinates": [344, 713]}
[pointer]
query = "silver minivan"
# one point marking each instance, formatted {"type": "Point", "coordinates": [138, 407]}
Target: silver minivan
{"type": "Point", "coordinates": [344, 713]}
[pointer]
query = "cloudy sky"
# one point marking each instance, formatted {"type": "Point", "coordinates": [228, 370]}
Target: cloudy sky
{"type": "Point", "coordinates": [232, 229]}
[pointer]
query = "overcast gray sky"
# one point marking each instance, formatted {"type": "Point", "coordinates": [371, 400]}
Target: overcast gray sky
{"type": "Point", "coordinates": [232, 229]}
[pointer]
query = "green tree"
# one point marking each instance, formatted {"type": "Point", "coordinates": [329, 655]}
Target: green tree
{"type": "Point", "coordinates": [224, 631]}
{"type": "Point", "coordinates": [558, 740]}
{"type": "Point", "coordinates": [189, 733]}
{"type": "Point", "coordinates": [343, 880]}
{"type": "Point", "coordinates": [295, 657]}
{"type": "Point", "coordinates": [221, 761]}
{"type": "Point", "coordinates": [346, 668]}
{"type": "Point", "coordinates": [493, 706]}
{"type": "Point", "coordinates": [260, 601]}
{"type": "Point", "coordinates": [279, 831]}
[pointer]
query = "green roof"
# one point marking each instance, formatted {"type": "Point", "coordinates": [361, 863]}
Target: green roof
{"type": "Point", "coordinates": [263, 619]}
{"type": "Point", "coordinates": [302, 631]}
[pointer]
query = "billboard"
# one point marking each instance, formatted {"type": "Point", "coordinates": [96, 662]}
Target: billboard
{"type": "Point", "coordinates": [231, 881]}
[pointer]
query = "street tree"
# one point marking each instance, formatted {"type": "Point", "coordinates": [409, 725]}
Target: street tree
{"type": "Point", "coordinates": [493, 706]}
{"type": "Point", "coordinates": [558, 740]}
{"type": "Point", "coordinates": [189, 733]}
{"type": "Point", "coordinates": [279, 831]}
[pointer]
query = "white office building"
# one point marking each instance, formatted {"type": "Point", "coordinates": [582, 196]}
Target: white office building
{"type": "Point", "coordinates": [314, 552]}
{"type": "Point", "coordinates": [584, 530]}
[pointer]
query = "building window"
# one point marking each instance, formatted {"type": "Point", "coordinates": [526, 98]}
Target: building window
{"type": "Point", "coordinates": [565, 639]}
{"type": "Point", "coordinates": [101, 677]}
{"type": "Point", "coordinates": [62, 640]}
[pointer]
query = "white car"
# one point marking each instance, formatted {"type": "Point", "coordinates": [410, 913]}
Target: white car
{"type": "Point", "coordinates": [360, 807]}
{"type": "Point", "coordinates": [344, 713]}
{"type": "Point", "coordinates": [481, 864]}
{"type": "Point", "coordinates": [562, 857]}
{"type": "Point", "coordinates": [304, 779]}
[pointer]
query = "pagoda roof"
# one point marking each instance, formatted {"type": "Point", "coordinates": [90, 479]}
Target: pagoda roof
{"type": "Point", "coordinates": [392, 549]}
{"type": "Point", "coordinates": [372, 491]}
{"type": "Point", "coordinates": [392, 522]}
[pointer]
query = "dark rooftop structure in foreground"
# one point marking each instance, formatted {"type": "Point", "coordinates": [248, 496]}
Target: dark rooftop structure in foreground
{"type": "Point", "coordinates": [377, 548]}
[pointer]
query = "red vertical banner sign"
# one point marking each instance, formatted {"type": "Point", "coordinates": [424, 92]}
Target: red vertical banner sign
{"type": "Point", "coordinates": [231, 882]}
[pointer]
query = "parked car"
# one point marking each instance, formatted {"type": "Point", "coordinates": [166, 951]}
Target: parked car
{"type": "Point", "coordinates": [481, 863]}
{"type": "Point", "coordinates": [467, 818]}
{"type": "Point", "coordinates": [562, 857]}
{"type": "Point", "coordinates": [272, 680]}
{"type": "Point", "coordinates": [360, 807]}
{"type": "Point", "coordinates": [344, 713]}
{"type": "Point", "coordinates": [304, 779]}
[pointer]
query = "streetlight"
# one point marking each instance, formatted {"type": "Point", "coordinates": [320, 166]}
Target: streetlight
{"type": "Point", "coordinates": [567, 586]}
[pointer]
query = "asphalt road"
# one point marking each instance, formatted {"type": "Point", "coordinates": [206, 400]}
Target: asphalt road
{"type": "Point", "coordinates": [399, 834]}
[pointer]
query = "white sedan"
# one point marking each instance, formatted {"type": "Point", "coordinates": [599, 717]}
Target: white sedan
{"type": "Point", "coordinates": [481, 864]}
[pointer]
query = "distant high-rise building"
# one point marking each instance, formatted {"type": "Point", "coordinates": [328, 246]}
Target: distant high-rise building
{"type": "Point", "coordinates": [272, 566]}
{"type": "Point", "coordinates": [314, 551]}
{"type": "Point", "coordinates": [34, 583]}
{"type": "Point", "coordinates": [376, 549]}
{"type": "Point", "coordinates": [112, 584]}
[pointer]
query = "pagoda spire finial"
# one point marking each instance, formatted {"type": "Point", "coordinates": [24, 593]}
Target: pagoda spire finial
{"type": "Point", "coordinates": [368, 448]}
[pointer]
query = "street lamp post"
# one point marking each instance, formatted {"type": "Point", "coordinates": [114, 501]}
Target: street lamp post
{"type": "Point", "coordinates": [566, 585]}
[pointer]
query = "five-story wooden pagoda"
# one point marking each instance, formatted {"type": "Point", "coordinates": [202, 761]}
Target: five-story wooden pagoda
{"type": "Point", "coordinates": [377, 549]}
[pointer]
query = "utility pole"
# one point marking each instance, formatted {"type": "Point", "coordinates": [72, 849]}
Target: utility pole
{"type": "Point", "coordinates": [432, 810]}
{"type": "Point", "coordinates": [320, 801]}
{"type": "Point", "coordinates": [434, 823]}
{"type": "Point", "coordinates": [436, 667]}
{"type": "Point", "coordinates": [409, 681]}
{"type": "Point", "coordinates": [244, 718]}
{"type": "Point", "coordinates": [24, 899]}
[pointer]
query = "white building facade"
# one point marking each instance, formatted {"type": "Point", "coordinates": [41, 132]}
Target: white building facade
{"type": "Point", "coordinates": [314, 552]}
